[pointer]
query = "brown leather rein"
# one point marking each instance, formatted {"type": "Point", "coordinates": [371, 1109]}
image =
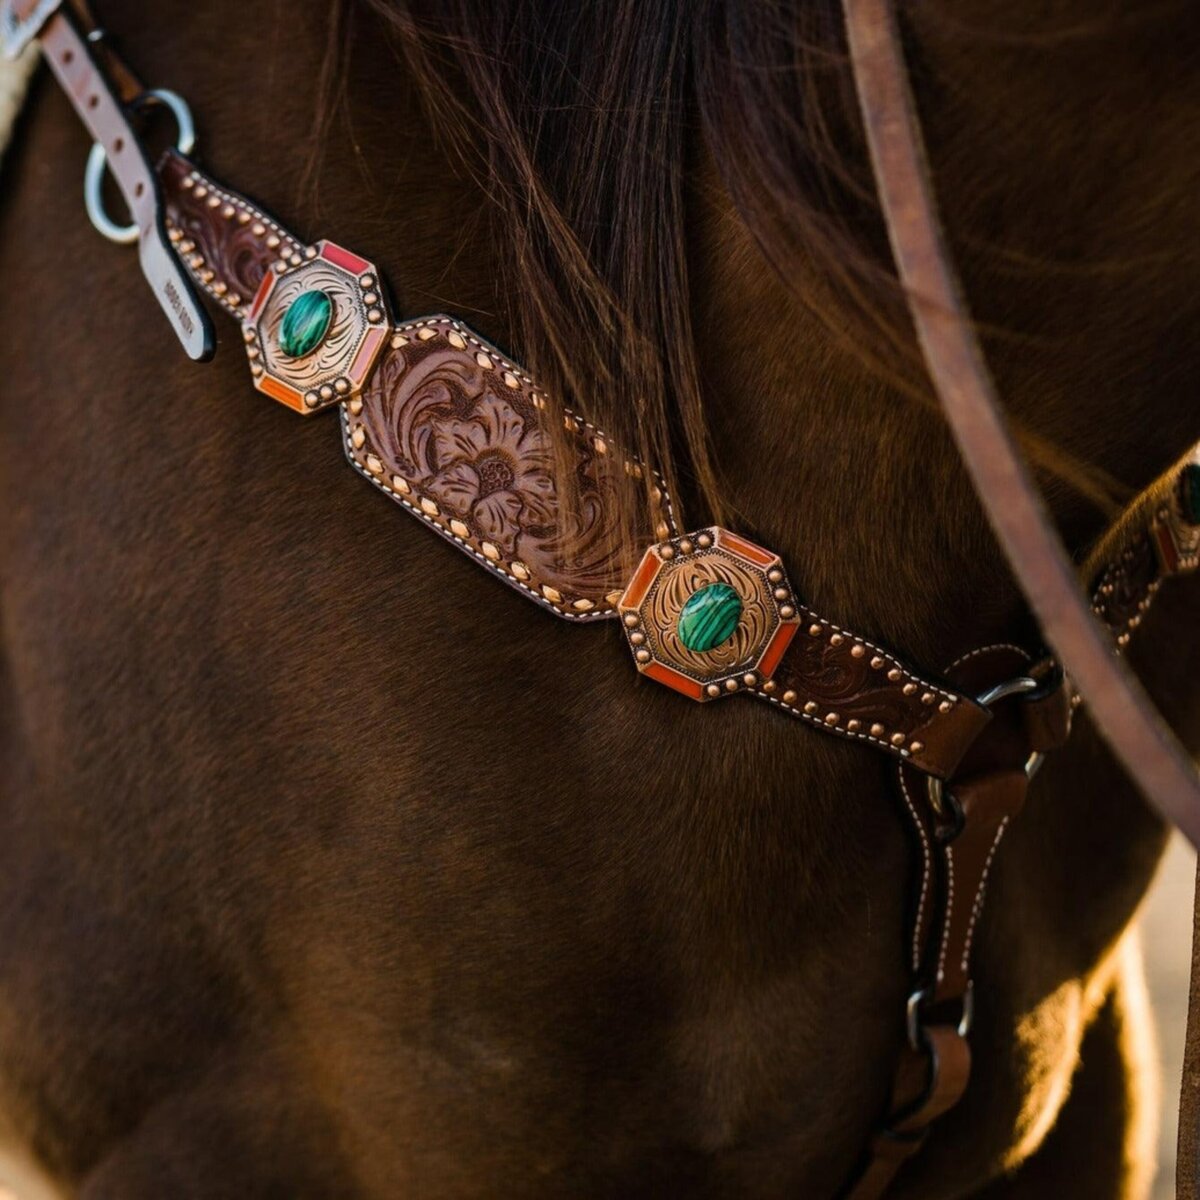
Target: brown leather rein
{"type": "Point", "coordinates": [707, 613]}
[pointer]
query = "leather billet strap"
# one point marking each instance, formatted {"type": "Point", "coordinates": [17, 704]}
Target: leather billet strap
{"type": "Point", "coordinates": [99, 88]}
{"type": "Point", "coordinates": [1123, 713]}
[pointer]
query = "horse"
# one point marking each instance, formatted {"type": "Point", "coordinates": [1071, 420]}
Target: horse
{"type": "Point", "coordinates": [328, 871]}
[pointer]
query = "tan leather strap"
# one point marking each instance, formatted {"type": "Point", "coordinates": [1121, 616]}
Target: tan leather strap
{"type": "Point", "coordinates": [100, 88]}
{"type": "Point", "coordinates": [931, 1080]}
{"type": "Point", "coordinates": [1122, 711]}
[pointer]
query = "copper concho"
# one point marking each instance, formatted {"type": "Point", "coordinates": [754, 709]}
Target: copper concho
{"type": "Point", "coordinates": [1175, 529]}
{"type": "Point", "coordinates": [672, 573]}
{"type": "Point", "coordinates": [338, 367]}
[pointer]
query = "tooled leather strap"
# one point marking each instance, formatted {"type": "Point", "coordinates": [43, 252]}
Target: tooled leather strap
{"type": "Point", "coordinates": [1123, 712]}
{"type": "Point", "coordinates": [442, 411]}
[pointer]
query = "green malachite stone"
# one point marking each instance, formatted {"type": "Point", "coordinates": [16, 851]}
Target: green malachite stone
{"type": "Point", "coordinates": [305, 323]}
{"type": "Point", "coordinates": [1189, 493]}
{"type": "Point", "coordinates": [709, 617]}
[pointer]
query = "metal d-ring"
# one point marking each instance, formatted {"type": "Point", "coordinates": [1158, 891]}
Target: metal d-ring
{"type": "Point", "coordinates": [93, 175]}
{"type": "Point", "coordinates": [1021, 685]}
{"type": "Point", "coordinates": [921, 997]}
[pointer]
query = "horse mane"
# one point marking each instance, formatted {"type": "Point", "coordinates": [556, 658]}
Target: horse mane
{"type": "Point", "coordinates": [590, 158]}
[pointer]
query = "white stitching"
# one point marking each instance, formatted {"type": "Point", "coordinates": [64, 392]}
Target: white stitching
{"type": "Point", "coordinates": [977, 908]}
{"type": "Point", "coordinates": [602, 613]}
{"type": "Point", "coordinates": [818, 723]}
{"type": "Point", "coordinates": [519, 371]}
{"type": "Point", "coordinates": [946, 923]}
{"type": "Point", "coordinates": [958, 662]}
{"type": "Point", "coordinates": [926, 872]}
{"type": "Point", "coordinates": [816, 619]}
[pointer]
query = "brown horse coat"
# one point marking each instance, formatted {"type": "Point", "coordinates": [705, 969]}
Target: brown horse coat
{"type": "Point", "coordinates": [328, 868]}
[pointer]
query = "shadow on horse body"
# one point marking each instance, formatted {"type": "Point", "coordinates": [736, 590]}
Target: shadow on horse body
{"type": "Point", "coordinates": [329, 868]}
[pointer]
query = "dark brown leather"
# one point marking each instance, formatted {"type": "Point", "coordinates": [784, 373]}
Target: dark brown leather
{"type": "Point", "coordinates": [1151, 541]}
{"type": "Point", "coordinates": [452, 430]}
{"type": "Point", "coordinates": [846, 685]}
{"type": "Point", "coordinates": [931, 1080]}
{"type": "Point", "coordinates": [1122, 711]}
{"type": "Point", "coordinates": [226, 243]}
{"type": "Point", "coordinates": [1047, 717]}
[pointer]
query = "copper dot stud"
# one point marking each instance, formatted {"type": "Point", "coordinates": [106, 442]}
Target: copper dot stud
{"type": "Point", "coordinates": [877, 730]}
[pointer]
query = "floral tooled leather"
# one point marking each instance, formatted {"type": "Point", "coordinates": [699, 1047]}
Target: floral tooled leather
{"type": "Point", "coordinates": [454, 431]}
{"type": "Point", "coordinates": [225, 241]}
{"type": "Point", "coordinates": [494, 471]}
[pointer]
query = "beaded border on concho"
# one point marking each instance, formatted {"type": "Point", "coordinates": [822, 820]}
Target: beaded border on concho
{"type": "Point", "coordinates": [420, 506]}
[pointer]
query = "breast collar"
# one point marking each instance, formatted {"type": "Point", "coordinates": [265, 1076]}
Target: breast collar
{"type": "Point", "coordinates": [462, 438]}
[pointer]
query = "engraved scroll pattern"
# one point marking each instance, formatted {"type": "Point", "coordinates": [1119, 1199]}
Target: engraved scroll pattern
{"type": "Point", "coordinates": [672, 590]}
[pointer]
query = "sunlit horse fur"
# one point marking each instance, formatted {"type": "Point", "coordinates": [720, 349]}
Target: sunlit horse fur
{"type": "Point", "coordinates": [330, 869]}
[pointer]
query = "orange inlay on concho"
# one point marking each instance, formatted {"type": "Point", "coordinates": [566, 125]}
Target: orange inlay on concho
{"type": "Point", "coordinates": [708, 613]}
{"type": "Point", "coordinates": [326, 355]}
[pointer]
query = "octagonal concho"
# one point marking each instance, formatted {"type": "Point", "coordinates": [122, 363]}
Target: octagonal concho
{"type": "Point", "coordinates": [1176, 527]}
{"type": "Point", "coordinates": [709, 613]}
{"type": "Point", "coordinates": [316, 327]}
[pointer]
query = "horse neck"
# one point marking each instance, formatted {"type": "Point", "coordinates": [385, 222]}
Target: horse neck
{"type": "Point", "coordinates": [851, 480]}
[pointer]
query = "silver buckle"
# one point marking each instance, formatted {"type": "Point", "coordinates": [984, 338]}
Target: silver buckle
{"type": "Point", "coordinates": [97, 160]}
{"type": "Point", "coordinates": [921, 997]}
{"type": "Point", "coordinates": [1020, 685]}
